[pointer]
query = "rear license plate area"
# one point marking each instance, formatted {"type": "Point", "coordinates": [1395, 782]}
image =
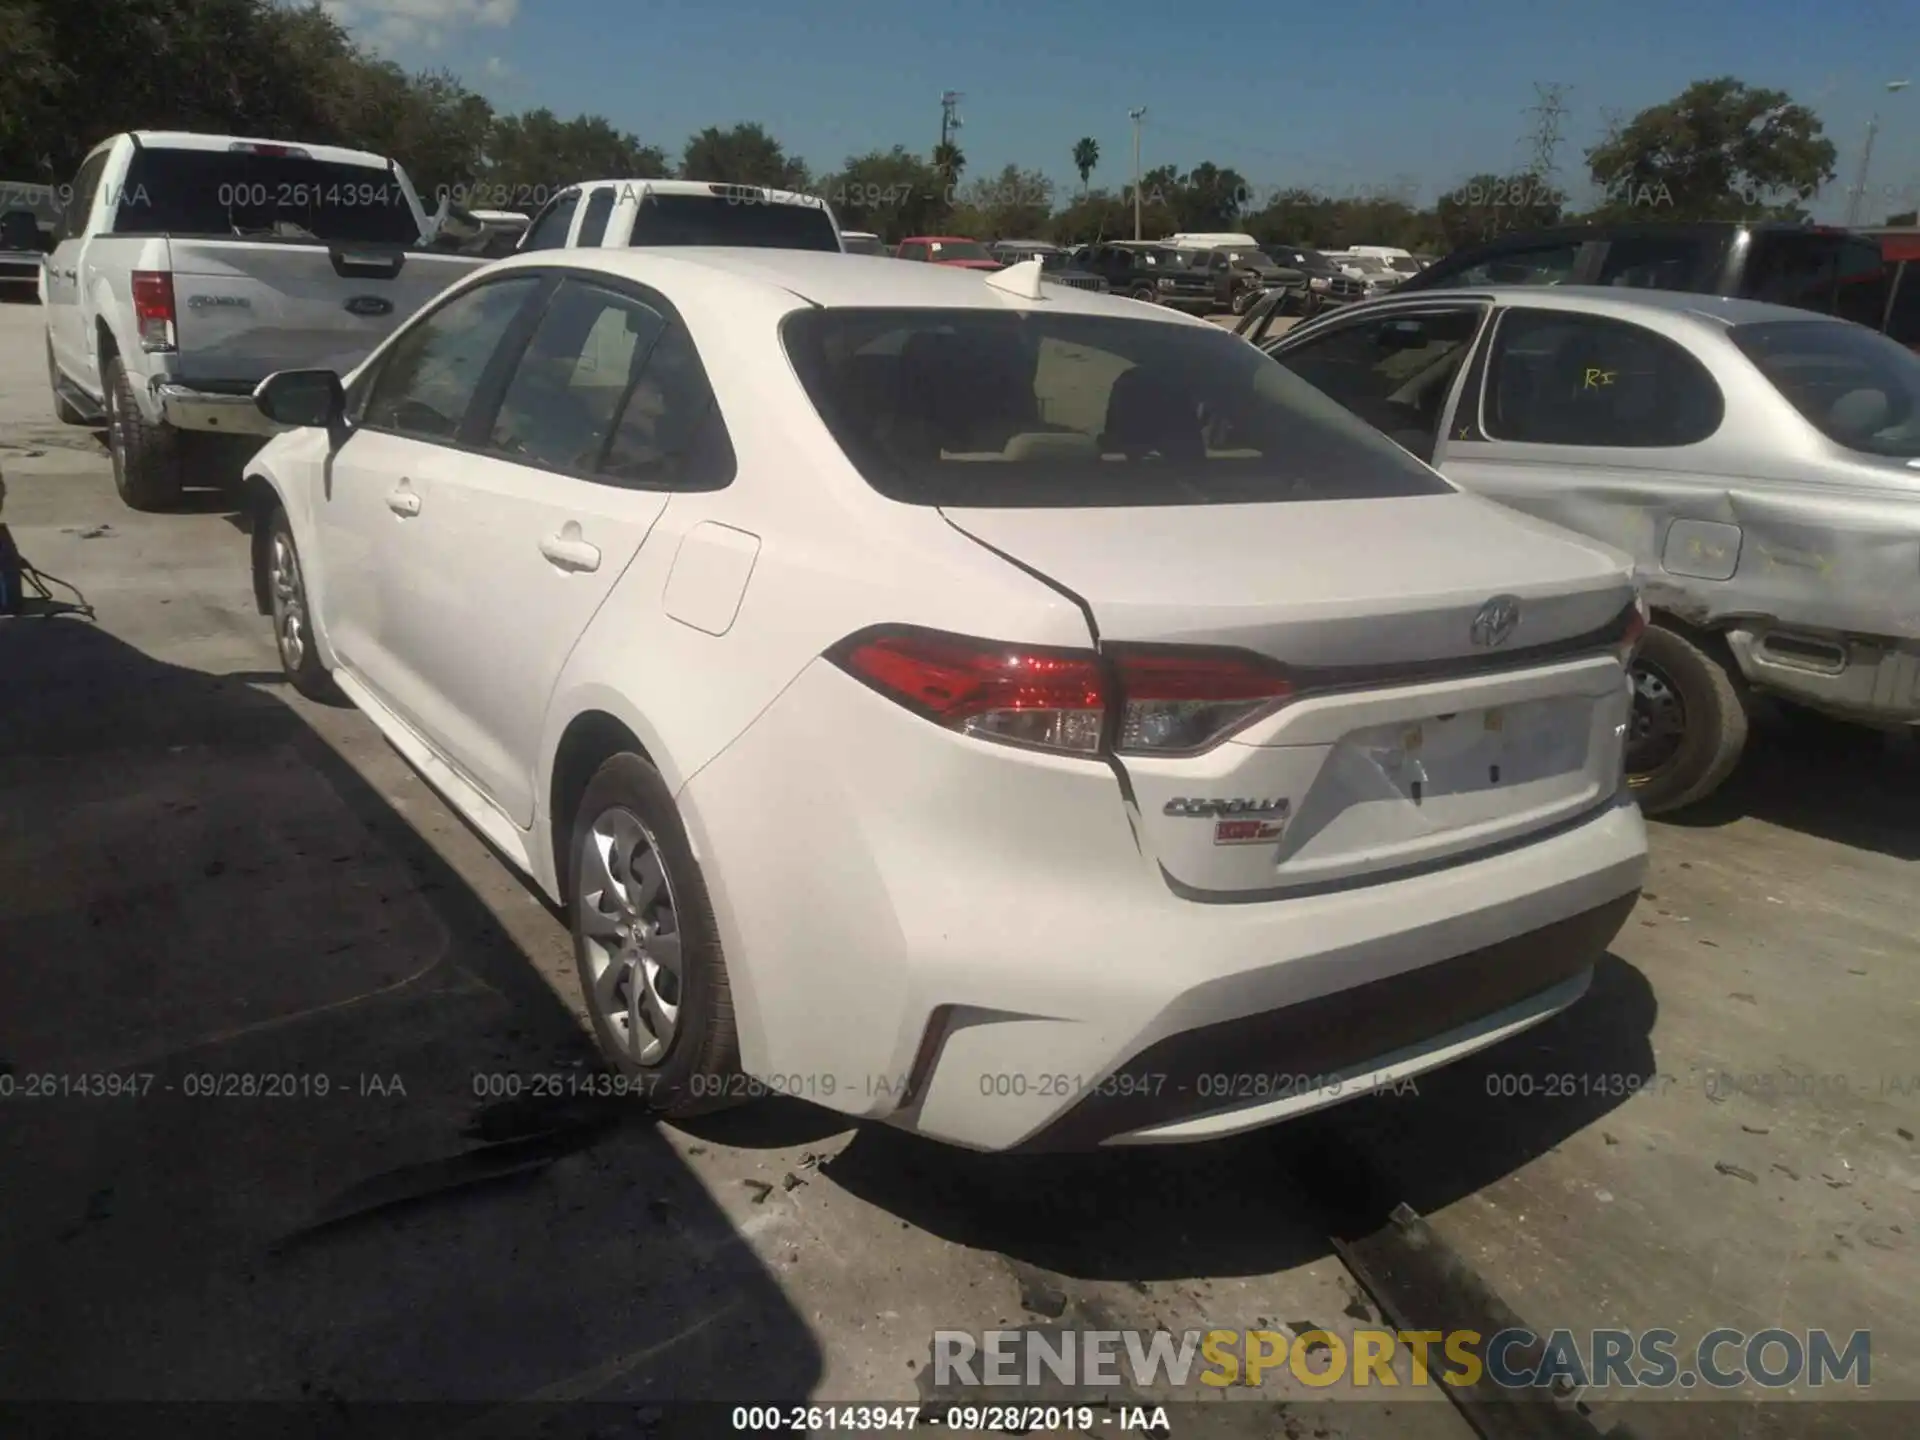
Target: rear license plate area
{"type": "Point", "coordinates": [1470, 751]}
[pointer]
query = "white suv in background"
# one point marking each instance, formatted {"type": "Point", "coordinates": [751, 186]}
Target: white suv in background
{"type": "Point", "coordinates": [1021, 715]}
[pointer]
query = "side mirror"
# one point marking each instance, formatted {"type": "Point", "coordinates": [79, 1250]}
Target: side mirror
{"type": "Point", "coordinates": [304, 398]}
{"type": "Point", "coordinates": [20, 230]}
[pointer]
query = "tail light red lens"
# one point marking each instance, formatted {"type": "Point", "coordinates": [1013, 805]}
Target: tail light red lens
{"type": "Point", "coordinates": [1167, 701]}
{"type": "Point", "coordinates": [1048, 698]}
{"type": "Point", "coordinates": [153, 311]}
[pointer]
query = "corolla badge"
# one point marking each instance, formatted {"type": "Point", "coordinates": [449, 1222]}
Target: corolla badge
{"type": "Point", "coordinates": [370, 305]}
{"type": "Point", "coordinates": [1495, 622]}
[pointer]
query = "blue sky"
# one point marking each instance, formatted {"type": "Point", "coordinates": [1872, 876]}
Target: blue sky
{"type": "Point", "coordinates": [1356, 96]}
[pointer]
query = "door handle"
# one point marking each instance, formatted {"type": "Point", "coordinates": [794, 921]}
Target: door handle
{"type": "Point", "coordinates": [403, 502]}
{"type": "Point", "coordinates": [568, 551]}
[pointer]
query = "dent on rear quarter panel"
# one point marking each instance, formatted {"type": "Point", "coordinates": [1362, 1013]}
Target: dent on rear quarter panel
{"type": "Point", "coordinates": [1817, 557]}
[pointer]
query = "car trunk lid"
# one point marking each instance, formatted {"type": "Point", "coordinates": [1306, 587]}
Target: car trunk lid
{"type": "Point", "coordinates": [1455, 684]}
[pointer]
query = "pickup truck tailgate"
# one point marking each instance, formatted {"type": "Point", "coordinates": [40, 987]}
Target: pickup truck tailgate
{"type": "Point", "coordinates": [246, 308]}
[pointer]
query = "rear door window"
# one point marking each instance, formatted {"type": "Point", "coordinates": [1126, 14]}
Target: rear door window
{"type": "Point", "coordinates": [593, 224]}
{"type": "Point", "coordinates": [978, 407]}
{"type": "Point", "coordinates": [1858, 389]}
{"type": "Point", "coordinates": [1562, 378]}
{"type": "Point", "coordinates": [290, 198]}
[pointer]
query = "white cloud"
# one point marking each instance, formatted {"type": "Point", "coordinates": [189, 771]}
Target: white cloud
{"type": "Point", "coordinates": [400, 24]}
{"type": "Point", "coordinates": [497, 68]}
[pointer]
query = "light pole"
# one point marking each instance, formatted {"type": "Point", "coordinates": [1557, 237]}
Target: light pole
{"type": "Point", "coordinates": [1894, 87]}
{"type": "Point", "coordinates": [1136, 115]}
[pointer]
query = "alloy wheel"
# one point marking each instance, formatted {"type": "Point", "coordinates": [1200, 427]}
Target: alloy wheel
{"type": "Point", "coordinates": [631, 929]}
{"type": "Point", "coordinates": [289, 603]}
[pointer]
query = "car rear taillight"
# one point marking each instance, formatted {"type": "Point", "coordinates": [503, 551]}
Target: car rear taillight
{"type": "Point", "coordinates": [1158, 701]}
{"type": "Point", "coordinates": [153, 309]}
{"type": "Point", "coordinates": [1051, 699]}
{"type": "Point", "coordinates": [1174, 701]}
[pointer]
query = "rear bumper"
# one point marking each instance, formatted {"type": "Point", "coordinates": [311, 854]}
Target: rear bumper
{"type": "Point", "coordinates": [1865, 679]}
{"type": "Point", "coordinates": [968, 942]}
{"type": "Point", "coordinates": [220, 411]}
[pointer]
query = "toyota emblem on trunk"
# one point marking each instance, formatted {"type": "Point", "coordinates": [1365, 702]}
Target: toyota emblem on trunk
{"type": "Point", "coordinates": [1494, 625]}
{"type": "Point", "coordinates": [370, 305]}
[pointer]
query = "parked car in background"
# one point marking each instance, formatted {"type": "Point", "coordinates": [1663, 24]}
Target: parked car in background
{"type": "Point", "coordinates": [617, 214]}
{"type": "Point", "coordinates": [952, 250]}
{"type": "Point", "coordinates": [23, 250]}
{"type": "Point", "coordinates": [187, 268]}
{"type": "Point", "coordinates": [1241, 276]}
{"type": "Point", "coordinates": [863, 242]}
{"type": "Point", "coordinates": [1900, 251]}
{"type": "Point", "coordinates": [1012, 252]}
{"type": "Point", "coordinates": [1810, 267]}
{"type": "Point", "coordinates": [1072, 606]}
{"type": "Point", "coordinates": [1155, 273]}
{"type": "Point", "coordinates": [1374, 274]}
{"type": "Point", "coordinates": [1327, 283]}
{"type": "Point", "coordinates": [489, 234]}
{"type": "Point", "coordinates": [1065, 267]}
{"type": "Point", "coordinates": [1761, 464]}
{"type": "Point", "coordinates": [1399, 262]}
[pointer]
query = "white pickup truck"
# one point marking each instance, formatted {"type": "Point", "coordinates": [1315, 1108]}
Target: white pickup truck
{"type": "Point", "coordinates": [619, 213]}
{"type": "Point", "coordinates": [188, 268]}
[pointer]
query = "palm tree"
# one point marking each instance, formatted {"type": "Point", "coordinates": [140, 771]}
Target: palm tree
{"type": "Point", "coordinates": [949, 160]}
{"type": "Point", "coordinates": [1086, 155]}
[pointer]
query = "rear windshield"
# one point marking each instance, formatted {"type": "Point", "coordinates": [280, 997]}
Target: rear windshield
{"type": "Point", "coordinates": [958, 250]}
{"type": "Point", "coordinates": [1011, 409]}
{"type": "Point", "coordinates": [1858, 388]}
{"type": "Point", "coordinates": [746, 219]}
{"type": "Point", "coordinates": [225, 193]}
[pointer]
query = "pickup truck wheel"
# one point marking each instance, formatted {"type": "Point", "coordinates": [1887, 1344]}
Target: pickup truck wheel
{"type": "Point", "coordinates": [62, 407]}
{"type": "Point", "coordinates": [1689, 723]}
{"type": "Point", "coordinates": [1243, 301]}
{"type": "Point", "coordinates": [146, 457]}
{"type": "Point", "coordinates": [1146, 293]}
{"type": "Point", "coordinates": [646, 945]}
{"type": "Point", "coordinates": [292, 622]}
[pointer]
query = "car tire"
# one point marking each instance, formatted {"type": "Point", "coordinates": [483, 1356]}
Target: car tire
{"type": "Point", "coordinates": [632, 882]}
{"type": "Point", "coordinates": [1243, 301]}
{"type": "Point", "coordinates": [1146, 293]}
{"type": "Point", "coordinates": [292, 617]}
{"type": "Point", "coordinates": [146, 457]}
{"type": "Point", "coordinates": [1689, 721]}
{"type": "Point", "coordinates": [63, 408]}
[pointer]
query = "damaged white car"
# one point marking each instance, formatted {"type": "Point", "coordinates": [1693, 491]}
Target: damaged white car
{"type": "Point", "coordinates": [1761, 464]}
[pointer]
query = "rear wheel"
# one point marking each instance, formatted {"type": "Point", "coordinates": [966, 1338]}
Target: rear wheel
{"type": "Point", "coordinates": [146, 456]}
{"type": "Point", "coordinates": [1689, 724]}
{"type": "Point", "coordinates": [646, 945]}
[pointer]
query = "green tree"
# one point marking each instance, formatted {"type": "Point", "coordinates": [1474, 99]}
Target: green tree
{"type": "Point", "coordinates": [893, 193]}
{"type": "Point", "coordinates": [1905, 217]}
{"type": "Point", "coordinates": [1086, 156]}
{"type": "Point", "coordinates": [1013, 205]}
{"type": "Point", "coordinates": [1092, 216]}
{"type": "Point", "coordinates": [1719, 150]}
{"type": "Point", "coordinates": [743, 154]}
{"type": "Point", "coordinates": [531, 156]}
{"type": "Point", "coordinates": [950, 160]}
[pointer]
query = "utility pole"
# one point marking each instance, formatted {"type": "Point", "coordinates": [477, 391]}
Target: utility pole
{"type": "Point", "coordinates": [949, 115]}
{"type": "Point", "coordinates": [1859, 195]}
{"type": "Point", "coordinates": [1136, 115]}
{"type": "Point", "coordinates": [1543, 143]}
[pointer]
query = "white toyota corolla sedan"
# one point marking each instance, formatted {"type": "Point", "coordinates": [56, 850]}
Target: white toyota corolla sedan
{"type": "Point", "coordinates": [1029, 717]}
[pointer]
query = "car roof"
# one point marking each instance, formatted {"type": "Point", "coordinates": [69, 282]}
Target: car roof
{"type": "Point", "coordinates": [708, 187]}
{"type": "Point", "coordinates": [937, 239]}
{"type": "Point", "coordinates": [189, 140]}
{"type": "Point", "coordinates": [827, 279]}
{"type": "Point", "coordinates": [1611, 300]}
